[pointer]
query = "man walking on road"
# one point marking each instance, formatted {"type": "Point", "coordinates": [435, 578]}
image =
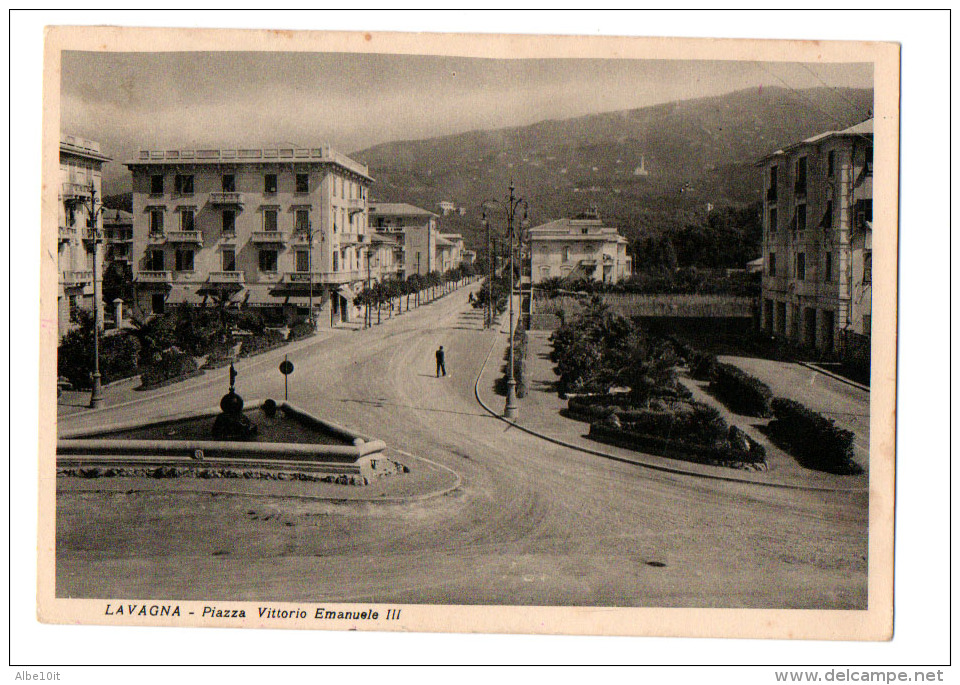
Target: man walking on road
{"type": "Point", "coordinates": [440, 363]}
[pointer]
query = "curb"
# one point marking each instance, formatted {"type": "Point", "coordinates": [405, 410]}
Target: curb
{"type": "Point", "coordinates": [835, 376]}
{"type": "Point", "coordinates": [653, 467]}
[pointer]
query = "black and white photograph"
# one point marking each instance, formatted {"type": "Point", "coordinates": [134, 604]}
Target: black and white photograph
{"type": "Point", "coordinates": [478, 334]}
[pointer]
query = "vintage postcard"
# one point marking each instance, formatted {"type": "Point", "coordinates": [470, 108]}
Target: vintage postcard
{"type": "Point", "coordinates": [468, 333]}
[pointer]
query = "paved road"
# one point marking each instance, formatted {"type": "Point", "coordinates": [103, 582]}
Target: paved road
{"type": "Point", "coordinates": [533, 523]}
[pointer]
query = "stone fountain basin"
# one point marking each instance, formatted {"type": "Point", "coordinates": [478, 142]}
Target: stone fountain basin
{"type": "Point", "coordinates": [291, 438]}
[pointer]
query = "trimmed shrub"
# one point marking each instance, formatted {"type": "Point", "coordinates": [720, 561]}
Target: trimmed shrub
{"type": "Point", "coordinates": [741, 392]}
{"type": "Point", "coordinates": [703, 365]}
{"type": "Point", "coordinates": [691, 422]}
{"type": "Point", "coordinates": [171, 365]}
{"type": "Point", "coordinates": [816, 441]}
{"type": "Point", "coordinates": [119, 356]}
{"type": "Point", "coordinates": [301, 330]}
{"type": "Point", "coordinates": [268, 340]}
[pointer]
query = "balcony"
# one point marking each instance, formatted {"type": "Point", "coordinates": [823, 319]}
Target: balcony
{"type": "Point", "coordinates": [267, 238]}
{"type": "Point", "coordinates": [194, 237]}
{"type": "Point", "coordinates": [353, 239]}
{"type": "Point", "coordinates": [226, 199]}
{"type": "Point", "coordinates": [300, 237]}
{"type": "Point", "coordinates": [76, 278]}
{"type": "Point", "coordinates": [156, 238]}
{"type": "Point", "coordinates": [66, 233]}
{"type": "Point", "coordinates": [72, 192]}
{"type": "Point", "coordinates": [356, 204]}
{"type": "Point", "coordinates": [154, 277]}
{"type": "Point", "coordinates": [231, 277]}
{"type": "Point", "coordinates": [301, 277]}
{"type": "Point", "coordinates": [341, 276]}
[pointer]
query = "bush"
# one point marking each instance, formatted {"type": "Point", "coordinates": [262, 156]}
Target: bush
{"type": "Point", "coordinates": [692, 422]}
{"type": "Point", "coordinates": [742, 392]}
{"type": "Point", "coordinates": [703, 365]}
{"type": "Point", "coordinates": [221, 355]}
{"type": "Point", "coordinates": [172, 364]}
{"type": "Point", "coordinates": [816, 441]}
{"type": "Point", "coordinates": [301, 330]}
{"type": "Point", "coordinates": [119, 355]}
{"type": "Point", "coordinates": [266, 341]}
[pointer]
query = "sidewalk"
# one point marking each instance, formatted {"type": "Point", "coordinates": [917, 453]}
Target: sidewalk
{"type": "Point", "coordinates": [540, 413]}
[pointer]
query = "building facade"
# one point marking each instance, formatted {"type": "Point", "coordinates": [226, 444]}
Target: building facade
{"type": "Point", "coordinates": [79, 224]}
{"type": "Point", "coordinates": [117, 238]}
{"type": "Point", "coordinates": [579, 248]}
{"type": "Point", "coordinates": [416, 230]}
{"type": "Point", "coordinates": [817, 238]}
{"type": "Point", "coordinates": [283, 228]}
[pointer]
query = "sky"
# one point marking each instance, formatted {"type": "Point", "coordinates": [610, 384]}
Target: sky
{"type": "Point", "coordinates": [128, 101]}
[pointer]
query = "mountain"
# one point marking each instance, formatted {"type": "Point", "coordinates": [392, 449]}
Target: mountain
{"type": "Point", "coordinates": [693, 152]}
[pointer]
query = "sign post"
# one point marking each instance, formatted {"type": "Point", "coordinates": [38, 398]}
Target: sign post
{"type": "Point", "coordinates": [286, 368]}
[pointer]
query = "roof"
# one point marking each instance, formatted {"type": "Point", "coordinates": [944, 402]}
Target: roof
{"type": "Point", "coordinates": [863, 129]}
{"type": "Point", "coordinates": [117, 216]}
{"type": "Point", "coordinates": [396, 209]}
{"type": "Point", "coordinates": [82, 147]}
{"type": "Point", "coordinates": [443, 242]}
{"type": "Point", "coordinates": [452, 236]}
{"type": "Point", "coordinates": [321, 154]}
{"type": "Point", "coordinates": [564, 229]}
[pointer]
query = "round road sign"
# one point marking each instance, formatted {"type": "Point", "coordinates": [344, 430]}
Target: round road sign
{"type": "Point", "coordinates": [286, 367]}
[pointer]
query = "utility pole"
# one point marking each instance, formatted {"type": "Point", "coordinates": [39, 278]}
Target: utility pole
{"type": "Point", "coordinates": [96, 393]}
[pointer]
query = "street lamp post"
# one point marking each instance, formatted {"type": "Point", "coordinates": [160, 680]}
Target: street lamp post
{"type": "Point", "coordinates": [96, 393]}
{"type": "Point", "coordinates": [511, 408]}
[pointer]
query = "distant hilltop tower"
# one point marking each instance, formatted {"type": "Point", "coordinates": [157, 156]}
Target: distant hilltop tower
{"type": "Point", "coordinates": [642, 169]}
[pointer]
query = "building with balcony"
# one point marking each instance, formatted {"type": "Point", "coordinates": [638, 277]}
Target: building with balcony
{"type": "Point", "coordinates": [817, 238]}
{"type": "Point", "coordinates": [449, 251]}
{"type": "Point", "coordinates": [417, 230]}
{"type": "Point", "coordinates": [284, 228]}
{"type": "Point", "coordinates": [117, 237]}
{"type": "Point", "coordinates": [578, 248]}
{"type": "Point", "coordinates": [81, 164]}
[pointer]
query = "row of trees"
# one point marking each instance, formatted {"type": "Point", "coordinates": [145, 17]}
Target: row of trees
{"type": "Point", "coordinates": [687, 281]}
{"type": "Point", "coordinates": [390, 292]}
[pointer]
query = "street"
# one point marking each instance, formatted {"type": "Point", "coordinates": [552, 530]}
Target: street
{"type": "Point", "coordinates": [532, 523]}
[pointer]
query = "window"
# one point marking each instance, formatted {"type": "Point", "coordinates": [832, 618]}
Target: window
{"type": "Point", "coordinates": [831, 162]}
{"type": "Point", "coordinates": [827, 221]}
{"type": "Point", "coordinates": [303, 183]}
{"type": "Point", "coordinates": [157, 301]}
{"type": "Point", "coordinates": [229, 224]}
{"type": "Point", "coordinates": [229, 260]}
{"type": "Point", "coordinates": [566, 254]}
{"type": "Point", "coordinates": [302, 221]}
{"type": "Point", "coordinates": [800, 187]}
{"type": "Point", "coordinates": [772, 264]}
{"type": "Point", "coordinates": [867, 267]}
{"type": "Point", "coordinates": [155, 260]}
{"type": "Point", "coordinates": [303, 260]}
{"type": "Point", "coordinates": [184, 260]}
{"type": "Point", "coordinates": [801, 266]}
{"type": "Point", "coordinates": [868, 159]}
{"type": "Point", "coordinates": [156, 221]}
{"type": "Point", "coordinates": [186, 220]}
{"type": "Point", "coordinates": [772, 222]}
{"type": "Point", "coordinates": [269, 183]}
{"type": "Point", "coordinates": [156, 184]}
{"type": "Point", "coordinates": [269, 220]}
{"type": "Point", "coordinates": [336, 261]}
{"type": "Point", "coordinates": [268, 261]}
{"type": "Point", "coordinates": [228, 183]}
{"type": "Point", "coordinates": [772, 189]}
{"type": "Point", "coordinates": [544, 272]}
{"type": "Point", "coordinates": [183, 184]}
{"type": "Point", "coordinates": [801, 217]}
{"type": "Point", "coordinates": [828, 267]}
{"type": "Point", "coordinates": [866, 324]}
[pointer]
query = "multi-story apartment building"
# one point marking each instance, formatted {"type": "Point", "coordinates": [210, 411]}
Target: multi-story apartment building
{"type": "Point", "coordinates": [272, 227]}
{"type": "Point", "coordinates": [817, 237]}
{"type": "Point", "coordinates": [81, 164]}
{"type": "Point", "coordinates": [118, 238]}
{"type": "Point", "coordinates": [450, 251]}
{"type": "Point", "coordinates": [417, 231]}
{"type": "Point", "coordinates": [577, 248]}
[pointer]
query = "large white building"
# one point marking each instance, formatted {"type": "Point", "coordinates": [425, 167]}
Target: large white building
{"type": "Point", "coordinates": [579, 248]}
{"type": "Point", "coordinates": [817, 237]}
{"type": "Point", "coordinates": [81, 164]}
{"type": "Point", "coordinates": [277, 227]}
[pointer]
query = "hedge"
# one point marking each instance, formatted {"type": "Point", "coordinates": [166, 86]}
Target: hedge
{"type": "Point", "coordinates": [730, 452]}
{"type": "Point", "coordinates": [171, 365]}
{"type": "Point", "coordinates": [301, 330]}
{"type": "Point", "coordinates": [816, 441]}
{"type": "Point", "coordinates": [264, 342]}
{"type": "Point", "coordinates": [741, 392]}
{"type": "Point", "coordinates": [519, 364]}
{"type": "Point", "coordinates": [119, 357]}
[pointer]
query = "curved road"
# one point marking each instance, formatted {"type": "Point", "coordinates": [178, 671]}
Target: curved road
{"type": "Point", "coordinates": [532, 524]}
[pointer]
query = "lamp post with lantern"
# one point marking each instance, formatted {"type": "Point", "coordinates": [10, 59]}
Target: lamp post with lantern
{"type": "Point", "coordinates": [95, 236]}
